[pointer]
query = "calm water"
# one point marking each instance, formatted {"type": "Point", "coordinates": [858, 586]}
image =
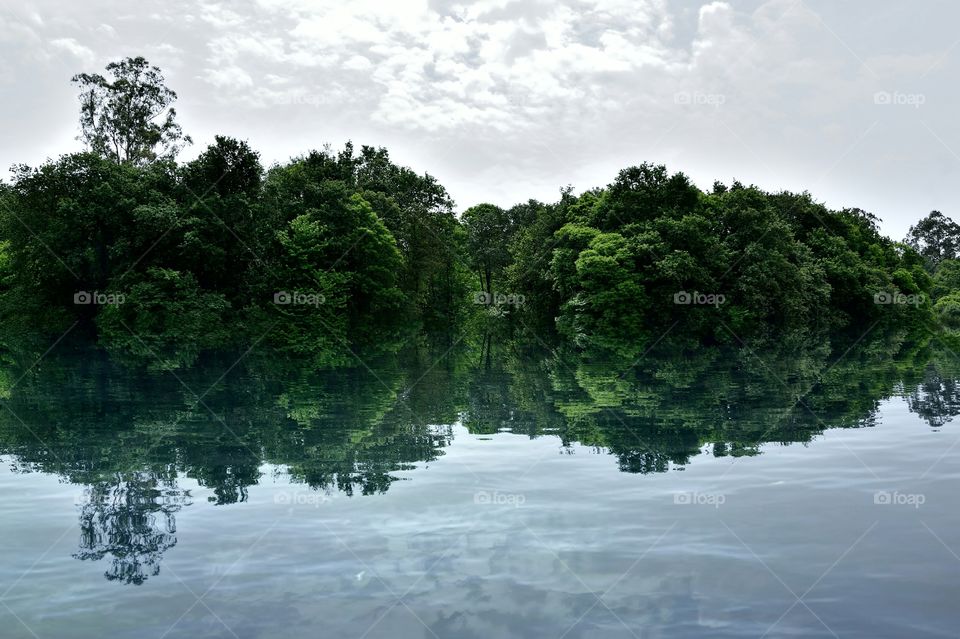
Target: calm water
{"type": "Point", "coordinates": [709, 494]}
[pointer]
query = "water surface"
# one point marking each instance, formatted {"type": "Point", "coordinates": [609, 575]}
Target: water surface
{"type": "Point", "coordinates": [720, 494]}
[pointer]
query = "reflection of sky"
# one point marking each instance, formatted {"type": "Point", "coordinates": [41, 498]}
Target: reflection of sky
{"type": "Point", "coordinates": [567, 526]}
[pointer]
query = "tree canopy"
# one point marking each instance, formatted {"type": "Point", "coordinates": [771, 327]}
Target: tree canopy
{"type": "Point", "coordinates": [129, 116]}
{"type": "Point", "coordinates": [336, 248]}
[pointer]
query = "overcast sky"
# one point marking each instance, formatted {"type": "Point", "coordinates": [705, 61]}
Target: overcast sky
{"type": "Point", "coordinates": [505, 100]}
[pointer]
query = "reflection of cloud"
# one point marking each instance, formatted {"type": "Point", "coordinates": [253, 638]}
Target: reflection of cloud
{"type": "Point", "coordinates": [502, 578]}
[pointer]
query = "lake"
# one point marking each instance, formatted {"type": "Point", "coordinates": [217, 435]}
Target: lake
{"type": "Point", "coordinates": [456, 493]}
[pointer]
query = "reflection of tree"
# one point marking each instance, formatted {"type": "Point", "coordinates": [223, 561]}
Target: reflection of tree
{"type": "Point", "coordinates": [131, 521]}
{"type": "Point", "coordinates": [936, 399]}
{"type": "Point", "coordinates": [131, 434]}
{"type": "Point", "coordinates": [128, 435]}
{"type": "Point", "coordinates": [665, 409]}
{"type": "Point", "coordinates": [349, 430]}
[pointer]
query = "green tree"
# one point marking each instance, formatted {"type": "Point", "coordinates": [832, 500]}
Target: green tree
{"type": "Point", "coordinates": [418, 211]}
{"type": "Point", "coordinates": [346, 237]}
{"type": "Point", "coordinates": [68, 224]}
{"type": "Point", "coordinates": [221, 189]}
{"type": "Point", "coordinates": [488, 240]}
{"type": "Point", "coordinates": [946, 280]}
{"type": "Point", "coordinates": [161, 310]}
{"type": "Point", "coordinates": [129, 117]}
{"type": "Point", "coordinates": [936, 237]}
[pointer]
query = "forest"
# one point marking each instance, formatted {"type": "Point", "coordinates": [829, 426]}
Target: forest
{"type": "Point", "coordinates": [342, 248]}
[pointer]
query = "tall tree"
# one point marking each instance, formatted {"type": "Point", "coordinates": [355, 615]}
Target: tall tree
{"type": "Point", "coordinates": [488, 237]}
{"type": "Point", "coordinates": [129, 118]}
{"type": "Point", "coordinates": [936, 237]}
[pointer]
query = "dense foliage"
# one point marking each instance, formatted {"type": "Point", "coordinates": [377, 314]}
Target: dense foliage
{"type": "Point", "coordinates": [651, 254]}
{"type": "Point", "coordinates": [325, 250]}
{"type": "Point", "coordinates": [336, 248]}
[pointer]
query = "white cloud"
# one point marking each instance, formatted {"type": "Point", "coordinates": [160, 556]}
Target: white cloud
{"type": "Point", "coordinates": [74, 48]}
{"type": "Point", "coordinates": [480, 66]}
{"type": "Point", "coordinates": [357, 63]}
{"type": "Point", "coordinates": [507, 99]}
{"type": "Point", "coordinates": [231, 77]}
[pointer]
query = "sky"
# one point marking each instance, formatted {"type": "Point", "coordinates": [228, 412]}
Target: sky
{"type": "Point", "coordinates": [506, 100]}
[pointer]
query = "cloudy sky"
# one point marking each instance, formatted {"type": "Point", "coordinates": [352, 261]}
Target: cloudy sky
{"type": "Point", "coordinates": [504, 100]}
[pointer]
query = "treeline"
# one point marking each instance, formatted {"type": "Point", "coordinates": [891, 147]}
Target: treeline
{"type": "Point", "coordinates": [652, 251]}
{"type": "Point", "coordinates": [325, 250]}
{"type": "Point", "coordinates": [338, 248]}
